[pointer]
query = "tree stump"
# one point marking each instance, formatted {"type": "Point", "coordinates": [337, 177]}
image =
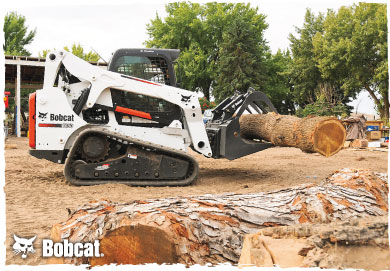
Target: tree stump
{"type": "Point", "coordinates": [325, 135]}
{"type": "Point", "coordinates": [210, 228]}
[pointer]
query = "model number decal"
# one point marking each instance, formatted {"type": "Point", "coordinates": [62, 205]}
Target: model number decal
{"type": "Point", "coordinates": [56, 125]}
{"type": "Point", "coordinates": [67, 125]}
{"type": "Point", "coordinates": [132, 156]}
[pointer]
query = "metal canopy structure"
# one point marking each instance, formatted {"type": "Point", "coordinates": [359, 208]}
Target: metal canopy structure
{"type": "Point", "coordinates": [25, 72]}
{"type": "Point", "coordinates": [32, 71]}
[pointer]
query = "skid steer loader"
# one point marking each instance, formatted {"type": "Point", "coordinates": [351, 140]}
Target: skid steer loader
{"type": "Point", "coordinates": [130, 124]}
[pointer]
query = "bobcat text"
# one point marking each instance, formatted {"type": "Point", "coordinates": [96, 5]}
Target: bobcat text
{"type": "Point", "coordinates": [67, 249]}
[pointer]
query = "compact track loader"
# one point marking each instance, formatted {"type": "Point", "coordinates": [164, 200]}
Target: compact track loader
{"type": "Point", "coordinates": [130, 124]}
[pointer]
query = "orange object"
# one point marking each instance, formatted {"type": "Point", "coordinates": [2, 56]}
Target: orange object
{"type": "Point", "coordinates": [6, 94]}
{"type": "Point", "coordinates": [31, 120]}
{"type": "Point", "coordinates": [133, 112]}
{"type": "Point", "coordinates": [6, 101]}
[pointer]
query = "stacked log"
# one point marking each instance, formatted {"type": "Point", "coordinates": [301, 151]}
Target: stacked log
{"type": "Point", "coordinates": [359, 143]}
{"type": "Point", "coordinates": [210, 228]}
{"type": "Point", "coordinates": [324, 135]}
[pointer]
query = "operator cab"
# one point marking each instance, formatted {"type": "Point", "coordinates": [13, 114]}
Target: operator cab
{"type": "Point", "coordinates": [155, 65]}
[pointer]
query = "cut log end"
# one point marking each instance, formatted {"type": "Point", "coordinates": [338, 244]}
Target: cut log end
{"type": "Point", "coordinates": [138, 244]}
{"type": "Point", "coordinates": [329, 137]}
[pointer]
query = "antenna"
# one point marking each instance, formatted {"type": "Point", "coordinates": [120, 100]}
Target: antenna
{"type": "Point", "coordinates": [99, 55]}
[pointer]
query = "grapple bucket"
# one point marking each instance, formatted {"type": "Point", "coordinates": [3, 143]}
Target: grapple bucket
{"type": "Point", "coordinates": [224, 128]}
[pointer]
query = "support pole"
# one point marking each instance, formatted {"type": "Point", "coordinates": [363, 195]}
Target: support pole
{"type": "Point", "coordinates": [18, 83]}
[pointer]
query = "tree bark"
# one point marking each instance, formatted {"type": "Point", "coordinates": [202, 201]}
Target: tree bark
{"type": "Point", "coordinates": [210, 228]}
{"type": "Point", "coordinates": [325, 135]}
{"type": "Point", "coordinates": [373, 96]}
{"type": "Point", "coordinates": [386, 106]}
{"type": "Point", "coordinates": [383, 108]}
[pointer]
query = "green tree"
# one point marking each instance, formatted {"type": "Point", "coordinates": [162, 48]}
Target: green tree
{"type": "Point", "coordinates": [242, 53]}
{"type": "Point", "coordinates": [303, 71]}
{"type": "Point", "coordinates": [78, 51]}
{"type": "Point", "coordinates": [187, 28]}
{"type": "Point", "coordinates": [16, 34]}
{"type": "Point", "coordinates": [202, 34]}
{"type": "Point", "coordinates": [278, 86]}
{"type": "Point", "coordinates": [328, 103]}
{"type": "Point", "coordinates": [352, 52]}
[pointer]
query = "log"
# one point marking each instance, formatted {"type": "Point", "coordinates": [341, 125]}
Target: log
{"type": "Point", "coordinates": [210, 228]}
{"type": "Point", "coordinates": [347, 144]}
{"type": "Point", "coordinates": [325, 135]}
{"type": "Point", "coordinates": [359, 143]}
{"type": "Point", "coordinates": [331, 246]}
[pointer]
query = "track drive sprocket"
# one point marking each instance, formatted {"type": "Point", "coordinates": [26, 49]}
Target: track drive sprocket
{"type": "Point", "coordinates": [95, 148]}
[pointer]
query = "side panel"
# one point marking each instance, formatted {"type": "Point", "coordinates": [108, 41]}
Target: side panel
{"type": "Point", "coordinates": [57, 125]}
{"type": "Point", "coordinates": [55, 119]}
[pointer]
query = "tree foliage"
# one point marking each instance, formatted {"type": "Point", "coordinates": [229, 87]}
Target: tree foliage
{"type": "Point", "coordinates": [278, 84]}
{"type": "Point", "coordinates": [352, 51]}
{"type": "Point", "coordinates": [16, 35]}
{"type": "Point", "coordinates": [303, 71]}
{"type": "Point", "coordinates": [326, 104]}
{"type": "Point", "coordinates": [345, 51]}
{"type": "Point", "coordinates": [242, 53]}
{"type": "Point", "coordinates": [332, 56]}
{"type": "Point", "coordinates": [78, 51]}
{"type": "Point", "coordinates": [204, 35]}
{"type": "Point", "coordinates": [182, 29]}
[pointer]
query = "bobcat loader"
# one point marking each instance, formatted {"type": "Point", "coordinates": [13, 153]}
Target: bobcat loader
{"type": "Point", "coordinates": [130, 124]}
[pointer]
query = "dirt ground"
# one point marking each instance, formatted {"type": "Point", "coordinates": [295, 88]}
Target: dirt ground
{"type": "Point", "coordinates": [37, 195]}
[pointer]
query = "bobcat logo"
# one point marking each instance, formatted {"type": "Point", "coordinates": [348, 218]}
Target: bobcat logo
{"type": "Point", "coordinates": [42, 115]}
{"type": "Point", "coordinates": [23, 245]}
{"type": "Point", "coordinates": [185, 99]}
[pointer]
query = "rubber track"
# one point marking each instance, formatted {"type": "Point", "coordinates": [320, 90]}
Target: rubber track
{"type": "Point", "coordinates": [172, 152]}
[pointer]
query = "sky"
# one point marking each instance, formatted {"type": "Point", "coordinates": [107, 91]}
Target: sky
{"type": "Point", "coordinates": [105, 26]}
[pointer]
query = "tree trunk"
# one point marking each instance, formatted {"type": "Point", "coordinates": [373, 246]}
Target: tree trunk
{"type": "Point", "coordinates": [210, 228]}
{"type": "Point", "coordinates": [386, 106]}
{"type": "Point", "coordinates": [382, 108]}
{"type": "Point", "coordinates": [325, 135]}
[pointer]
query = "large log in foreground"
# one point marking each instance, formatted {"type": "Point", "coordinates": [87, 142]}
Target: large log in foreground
{"type": "Point", "coordinates": [210, 228]}
{"type": "Point", "coordinates": [325, 135]}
